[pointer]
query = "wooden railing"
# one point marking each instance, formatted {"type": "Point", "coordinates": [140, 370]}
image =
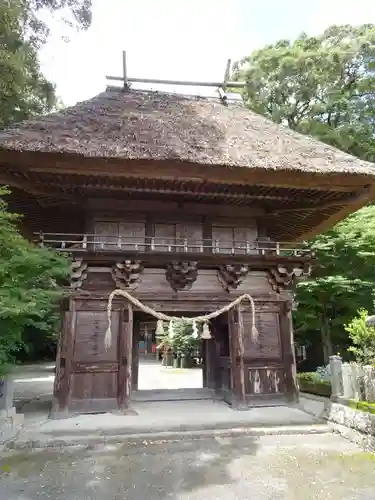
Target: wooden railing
{"type": "Point", "coordinates": [95, 243]}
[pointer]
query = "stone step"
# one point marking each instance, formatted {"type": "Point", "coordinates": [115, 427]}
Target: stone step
{"type": "Point", "coordinates": [172, 395]}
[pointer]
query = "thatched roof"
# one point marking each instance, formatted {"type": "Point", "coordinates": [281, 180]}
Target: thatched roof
{"type": "Point", "coordinates": [147, 125]}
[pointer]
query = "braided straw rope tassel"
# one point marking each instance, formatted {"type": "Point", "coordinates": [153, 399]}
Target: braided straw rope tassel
{"type": "Point", "coordinates": [164, 317]}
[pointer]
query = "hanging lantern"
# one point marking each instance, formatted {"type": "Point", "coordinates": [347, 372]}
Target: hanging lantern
{"type": "Point", "coordinates": [206, 334]}
{"type": "Point", "coordinates": [195, 333]}
{"type": "Point", "coordinates": [159, 328]}
{"type": "Point", "coordinates": [170, 330]}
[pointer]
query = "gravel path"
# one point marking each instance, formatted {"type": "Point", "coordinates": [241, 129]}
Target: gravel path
{"type": "Point", "coordinates": [299, 467]}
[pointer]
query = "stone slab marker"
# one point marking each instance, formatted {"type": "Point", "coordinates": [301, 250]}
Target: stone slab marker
{"type": "Point", "coordinates": [6, 395]}
{"type": "Point", "coordinates": [335, 363]}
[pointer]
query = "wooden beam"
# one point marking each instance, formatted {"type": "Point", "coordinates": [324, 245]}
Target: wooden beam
{"type": "Point", "coordinates": [125, 349]}
{"type": "Point", "coordinates": [36, 189]}
{"type": "Point", "coordinates": [193, 191]}
{"type": "Point", "coordinates": [187, 83]}
{"type": "Point", "coordinates": [362, 194]}
{"type": "Point", "coordinates": [124, 72]}
{"type": "Point", "coordinates": [227, 75]}
{"type": "Point", "coordinates": [69, 163]}
{"type": "Point", "coordinates": [241, 353]}
{"type": "Point", "coordinates": [186, 207]}
{"type": "Point", "coordinates": [339, 215]}
{"type": "Point", "coordinates": [168, 170]}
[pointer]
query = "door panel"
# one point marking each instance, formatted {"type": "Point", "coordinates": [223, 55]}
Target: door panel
{"type": "Point", "coordinates": [222, 239]}
{"type": "Point", "coordinates": [190, 236]}
{"type": "Point", "coordinates": [132, 235]}
{"type": "Point", "coordinates": [165, 237]}
{"type": "Point", "coordinates": [87, 373]}
{"type": "Point", "coordinates": [106, 235]}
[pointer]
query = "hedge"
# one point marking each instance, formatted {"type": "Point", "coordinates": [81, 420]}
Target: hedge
{"type": "Point", "coordinates": [312, 383]}
{"type": "Point", "coordinates": [362, 406]}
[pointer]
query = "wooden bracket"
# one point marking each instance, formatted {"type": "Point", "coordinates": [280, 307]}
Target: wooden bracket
{"type": "Point", "coordinates": [127, 274]}
{"type": "Point", "coordinates": [232, 275]}
{"type": "Point", "coordinates": [78, 273]}
{"type": "Point", "coordinates": [181, 275]}
{"type": "Point", "coordinates": [283, 276]}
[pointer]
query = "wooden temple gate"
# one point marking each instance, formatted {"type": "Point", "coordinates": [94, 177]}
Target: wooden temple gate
{"type": "Point", "coordinates": [241, 369]}
{"type": "Point", "coordinates": [184, 221]}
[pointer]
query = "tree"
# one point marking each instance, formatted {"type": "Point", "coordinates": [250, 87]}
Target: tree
{"type": "Point", "coordinates": [182, 339]}
{"type": "Point", "coordinates": [342, 282]}
{"type": "Point", "coordinates": [362, 337]}
{"type": "Point", "coordinates": [323, 86]}
{"type": "Point", "coordinates": [24, 91]}
{"type": "Point", "coordinates": [30, 285]}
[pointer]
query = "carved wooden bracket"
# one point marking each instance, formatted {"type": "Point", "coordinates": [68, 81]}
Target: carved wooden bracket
{"type": "Point", "coordinates": [282, 276]}
{"type": "Point", "coordinates": [232, 275]}
{"type": "Point", "coordinates": [181, 275]}
{"type": "Point", "coordinates": [127, 274]}
{"type": "Point", "coordinates": [78, 273]}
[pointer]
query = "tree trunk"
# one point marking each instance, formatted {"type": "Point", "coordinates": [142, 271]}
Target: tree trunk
{"type": "Point", "coordinates": [326, 339]}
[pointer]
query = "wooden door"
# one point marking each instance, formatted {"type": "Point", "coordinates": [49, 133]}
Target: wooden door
{"type": "Point", "coordinates": [165, 237]}
{"type": "Point", "coordinates": [106, 235]}
{"type": "Point", "coordinates": [244, 239]}
{"type": "Point", "coordinates": [132, 235]}
{"type": "Point", "coordinates": [88, 374]}
{"type": "Point", "coordinates": [222, 239]}
{"type": "Point", "coordinates": [190, 237]}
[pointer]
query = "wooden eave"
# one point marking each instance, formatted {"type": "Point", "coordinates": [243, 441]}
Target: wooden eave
{"type": "Point", "coordinates": [295, 204]}
{"type": "Point", "coordinates": [69, 164]}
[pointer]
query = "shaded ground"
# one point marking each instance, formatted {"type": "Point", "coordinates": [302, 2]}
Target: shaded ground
{"type": "Point", "coordinates": [270, 467]}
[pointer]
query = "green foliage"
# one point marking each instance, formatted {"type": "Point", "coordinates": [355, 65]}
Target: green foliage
{"type": "Point", "coordinates": [312, 383]}
{"type": "Point", "coordinates": [362, 337]}
{"type": "Point", "coordinates": [362, 406]}
{"type": "Point", "coordinates": [322, 86]}
{"type": "Point", "coordinates": [24, 91]}
{"type": "Point", "coordinates": [341, 283]}
{"type": "Point", "coordinates": [182, 340]}
{"type": "Point", "coordinates": [30, 285]}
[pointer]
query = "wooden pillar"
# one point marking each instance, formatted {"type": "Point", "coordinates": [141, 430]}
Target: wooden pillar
{"type": "Point", "coordinates": [236, 332]}
{"type": "Point", "coordinates": [241, 354]}
{"type": "Point", "coordinates": [286, 327]}
{"type": "Point", "coordinates": [125, 357]}
{"type": "Point", "coordinates": [135, 361]}
{"type": "Point", "coordinates": [63, 377]}
{"type": "Point", "coordinates": [210, 364]}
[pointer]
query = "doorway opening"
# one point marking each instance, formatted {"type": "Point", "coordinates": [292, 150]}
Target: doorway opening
{"type": "Point", "coordinates": [167, 371]}
{"type": "Point", "coordinates": [201, 370]}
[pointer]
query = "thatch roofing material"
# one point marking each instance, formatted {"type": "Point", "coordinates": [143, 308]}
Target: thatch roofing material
{"type": "Point", "coordinates": [145, 125]}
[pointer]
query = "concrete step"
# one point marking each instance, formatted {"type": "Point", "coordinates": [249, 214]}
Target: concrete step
{"type": "Point", "coordinates": [35, 441]}
{"type": "Point", "coordinates": [172, 395]}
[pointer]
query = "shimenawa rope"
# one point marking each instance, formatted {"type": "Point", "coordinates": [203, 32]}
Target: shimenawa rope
{"type": "Point", "coordinates": [164, 317]}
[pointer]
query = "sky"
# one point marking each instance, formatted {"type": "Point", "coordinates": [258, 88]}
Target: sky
{"type": "Point", "coordinates": [180, 39]}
